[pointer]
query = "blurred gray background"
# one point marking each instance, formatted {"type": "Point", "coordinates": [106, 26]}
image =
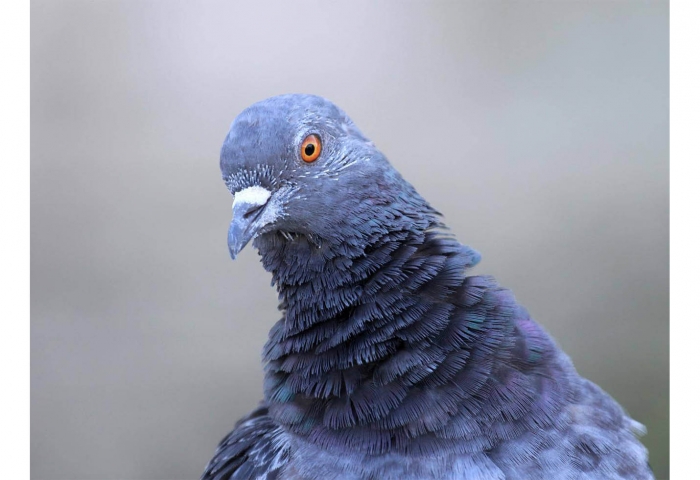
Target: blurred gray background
{"type": "Point", "coordinates": [540, 130]}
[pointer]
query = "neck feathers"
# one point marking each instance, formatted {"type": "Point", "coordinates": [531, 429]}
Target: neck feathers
{"type": "Point", "coordinates": [391, 347]}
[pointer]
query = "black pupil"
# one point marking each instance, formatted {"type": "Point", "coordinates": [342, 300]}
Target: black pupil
{"type": "Point", "coordinates": [309, 149]}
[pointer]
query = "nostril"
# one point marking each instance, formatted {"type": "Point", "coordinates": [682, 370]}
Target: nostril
{"type": "Point", "coordinates": [253, 211]}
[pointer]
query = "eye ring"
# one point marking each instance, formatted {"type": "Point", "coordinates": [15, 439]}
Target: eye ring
{"type": "Point", "coordinates": [310, 148]}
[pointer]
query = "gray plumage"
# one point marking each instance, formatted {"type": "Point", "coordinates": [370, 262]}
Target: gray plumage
{"type": "Point", "coordinates": [390, 361]}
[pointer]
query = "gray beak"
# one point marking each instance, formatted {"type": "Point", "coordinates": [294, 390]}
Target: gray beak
{"type": "Point", "coordinates": [248, 206]}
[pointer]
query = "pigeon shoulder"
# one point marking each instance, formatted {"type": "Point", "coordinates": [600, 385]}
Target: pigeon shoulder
{"type": "Point", "coordinates": [595, 440]}
{"type": "Point", "coordinates": [591, 436]}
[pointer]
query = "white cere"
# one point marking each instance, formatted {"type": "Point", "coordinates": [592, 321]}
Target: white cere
{"type": "Point", "coordinates": [255, 195]}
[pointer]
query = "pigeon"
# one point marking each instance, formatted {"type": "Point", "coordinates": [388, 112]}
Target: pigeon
{"type": "Point", "coordinates": [390, 361]}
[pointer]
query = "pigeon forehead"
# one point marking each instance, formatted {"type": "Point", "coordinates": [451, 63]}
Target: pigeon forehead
{"type": "Point", "coordinates": [289, 112]}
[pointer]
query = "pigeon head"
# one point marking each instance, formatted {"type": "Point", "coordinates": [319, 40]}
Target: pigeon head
{"type": "Point", "coordinates": [301, 172]}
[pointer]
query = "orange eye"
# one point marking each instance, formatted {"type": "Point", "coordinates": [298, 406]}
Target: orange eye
{"type": "Point", "coordinates": [310, 148]}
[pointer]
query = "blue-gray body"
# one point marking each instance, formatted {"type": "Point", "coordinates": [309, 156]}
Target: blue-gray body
{"type": "Point", "coordinates": [390, 361]}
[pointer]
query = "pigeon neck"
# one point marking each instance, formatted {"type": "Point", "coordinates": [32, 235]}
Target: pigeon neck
{"type": "Point", "coordinates": [376, 348]}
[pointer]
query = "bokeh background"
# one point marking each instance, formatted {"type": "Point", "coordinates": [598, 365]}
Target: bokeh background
{"type": "Point", "coordinates": [540, 130]}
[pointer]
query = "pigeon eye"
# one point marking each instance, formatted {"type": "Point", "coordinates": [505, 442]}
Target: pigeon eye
{"type": "Point", "coordinates": [311, 148]}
